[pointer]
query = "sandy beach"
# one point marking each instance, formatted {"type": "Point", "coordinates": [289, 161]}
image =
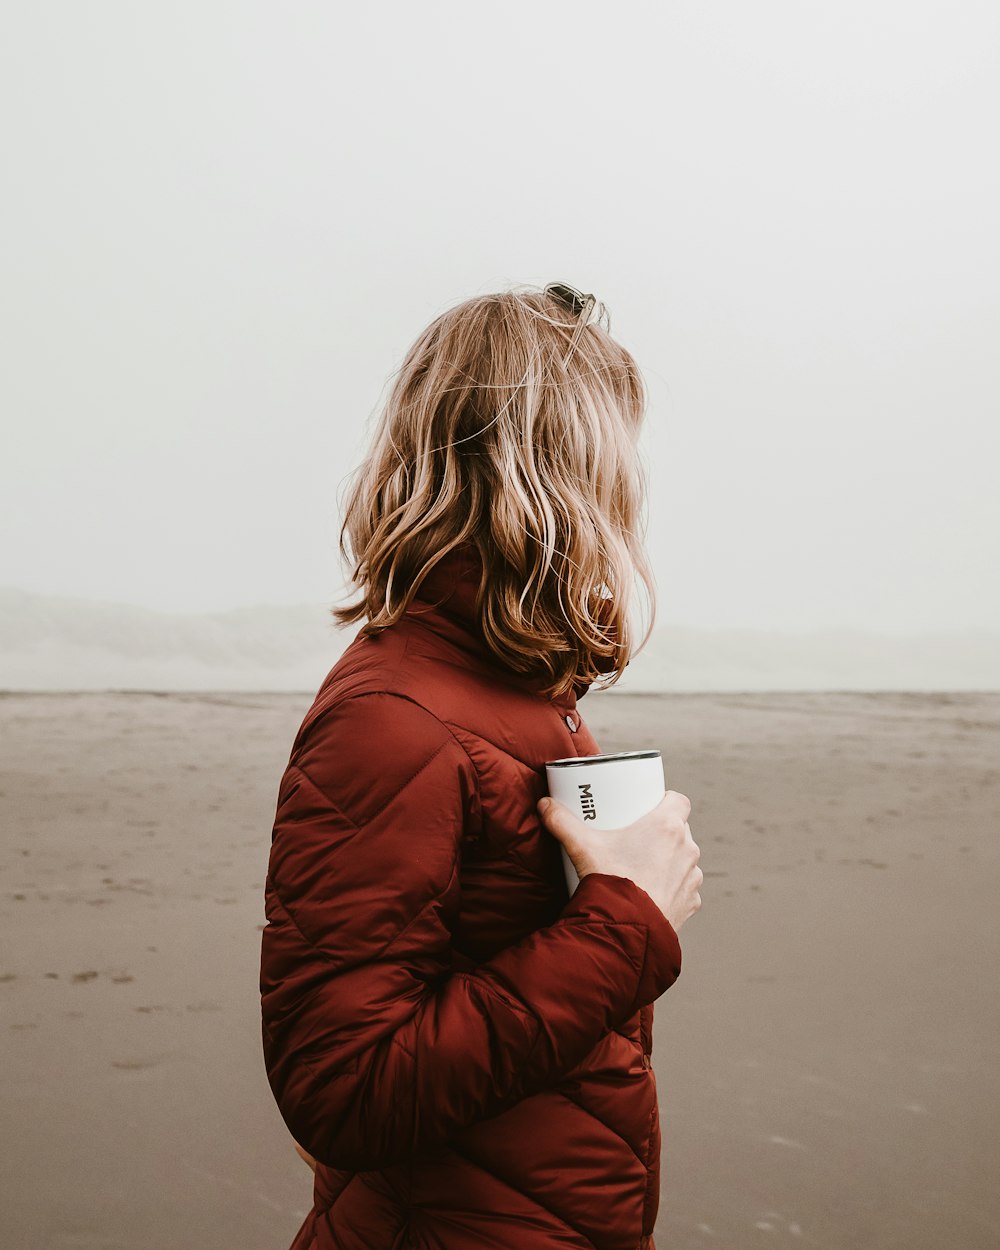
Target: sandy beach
{"type": "Point", "coordinates": [827, 1063]}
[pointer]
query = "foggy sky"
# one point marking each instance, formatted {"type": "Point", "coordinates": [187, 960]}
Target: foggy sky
{"type": "Point", "coordinates": [224, 224]}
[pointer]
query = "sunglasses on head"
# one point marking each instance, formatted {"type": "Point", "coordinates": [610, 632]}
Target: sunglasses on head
{"type": "Point", "coordinates": [575, 302]}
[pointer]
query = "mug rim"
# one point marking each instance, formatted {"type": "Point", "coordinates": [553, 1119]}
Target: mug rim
{"type": "Point", "coordinates": [579, 760]}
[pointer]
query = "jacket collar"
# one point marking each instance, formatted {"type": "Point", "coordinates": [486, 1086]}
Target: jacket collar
{"type": "Point", "coordinates": [453, 582]}
{"type": "Point", "coordinates": [452, 586]}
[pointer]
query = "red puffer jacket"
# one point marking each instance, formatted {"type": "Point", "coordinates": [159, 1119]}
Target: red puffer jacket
{"type": "Point", "coordinates": [464, 1047]}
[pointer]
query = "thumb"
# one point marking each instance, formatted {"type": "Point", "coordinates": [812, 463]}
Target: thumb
{"type": "Point", "coordinates": [558, 818]}
{"type": "Point", "coordinates": [566, 827]}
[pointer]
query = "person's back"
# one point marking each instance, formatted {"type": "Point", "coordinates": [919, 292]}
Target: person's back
{"type": "Point", "coordinates": [462, 1048]}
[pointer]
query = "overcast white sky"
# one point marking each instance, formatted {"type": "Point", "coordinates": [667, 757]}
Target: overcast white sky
{"type": "Point", "coordinates": [224, 223]}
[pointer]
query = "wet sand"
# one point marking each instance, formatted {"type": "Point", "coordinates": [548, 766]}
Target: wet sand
{"type": "Point", "coordinates": [827, 1063]}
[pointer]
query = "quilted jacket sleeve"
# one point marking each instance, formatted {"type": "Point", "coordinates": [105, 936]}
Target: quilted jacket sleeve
{"type": "Point", "coordinates": [374, 1048]}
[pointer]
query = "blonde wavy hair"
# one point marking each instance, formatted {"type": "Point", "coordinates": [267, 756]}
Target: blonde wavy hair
{"type": "Point", "coordinates": [495, 434]}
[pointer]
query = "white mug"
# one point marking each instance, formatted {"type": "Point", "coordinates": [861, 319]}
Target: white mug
{"type": "Point", "coordinates": [607, 791]}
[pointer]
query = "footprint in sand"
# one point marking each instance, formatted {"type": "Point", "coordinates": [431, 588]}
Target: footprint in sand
{"type": "Point", "coordinates": [84, 976]}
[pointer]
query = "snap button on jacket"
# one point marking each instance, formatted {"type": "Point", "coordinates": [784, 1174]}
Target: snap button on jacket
{"type": "Point", "coordinates": [462, 1046]}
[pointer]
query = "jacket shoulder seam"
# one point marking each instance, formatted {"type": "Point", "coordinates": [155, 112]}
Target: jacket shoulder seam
{"type": "Point", "coordinates": [398, 694]}
{"type": "Point", "coordinates": [370, 816]}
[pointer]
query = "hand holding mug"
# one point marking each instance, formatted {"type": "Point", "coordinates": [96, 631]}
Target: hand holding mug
{"type": "Point", "coordinates": [657, 852]}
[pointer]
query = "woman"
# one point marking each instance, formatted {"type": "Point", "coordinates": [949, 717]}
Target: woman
{"type": "Point", "coordinates": [459, 1047]}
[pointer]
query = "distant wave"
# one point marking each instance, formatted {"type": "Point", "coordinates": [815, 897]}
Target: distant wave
{"type": "Point", "coordinates": [53, 642]}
